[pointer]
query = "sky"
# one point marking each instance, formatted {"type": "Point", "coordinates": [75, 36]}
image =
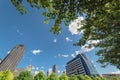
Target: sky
{"type": "Point", "coordinates": [43, 48]}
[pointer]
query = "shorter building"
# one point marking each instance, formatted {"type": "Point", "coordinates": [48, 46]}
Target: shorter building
{"type": "Point", "coordinates": [49, 72]}
{"type": "Point", "coordinates": [81, 65]}
{"type": "Point", "coordinates": [109, 76]}
{"type": "Point", "coordinates": [55, 69]}
{"type": "Point", "coordinates": [29, 68]}
{"type": "Point", "coordinates": [17, 71]}
{"type": "Point", "coordinates": [0, 60]}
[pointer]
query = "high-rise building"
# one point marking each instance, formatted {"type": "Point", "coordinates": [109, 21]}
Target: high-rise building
{"type": "Point", "coordinates": [29, 68]}
{"type": "Point", "coordinates": [12, 59]}
{"type": "Point", "coordinates": [55, 69]}
{"type": "Point", "coordinates": [0, 60]}
{"type": "Point", "coordinates": [81, 65]}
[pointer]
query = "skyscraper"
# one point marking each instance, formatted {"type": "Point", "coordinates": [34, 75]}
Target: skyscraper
{"type": "Point", "coordinates": [0, 60]}
{"type": "Point", "coordinates": [55, 69]}
{"type": "Point", "coordinates": [12, 59]}
{"type": "Point", "coordinates": [81, 65]}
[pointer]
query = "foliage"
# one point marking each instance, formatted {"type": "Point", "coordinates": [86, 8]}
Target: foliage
{"type": "Point", "coordinates": [73, 77]}
{"type": "Point", "coordinates": [63, 77]}
{"type": "Point", "coordinates": [6, 75]}
{"type": "Point", "coordinates": [40, 76]}
{"type": "Point", "coordinates": [53, 76]}
{"type": "Point", "coordinates": [26, 75]}
{"type": "Point", "coordinates": [87, 77]}
{"type": "Point", "coordinates": [101, 22]}
{"type": "Point", "coordinates": [80, 77]}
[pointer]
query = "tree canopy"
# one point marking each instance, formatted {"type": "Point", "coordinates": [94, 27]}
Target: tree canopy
{"type": "Point", "coordinates": [40, 76]}
{"type": "Point", "coordinates": [53, 76]}
{"type": "Point", "coordinates": [26, 75]}
{"type": "Point", "coordinates": [6, 75]}
{"type": "Point", "coordinates": [101, 22]}
{"type": "Point", "coordinates": [63, 77]}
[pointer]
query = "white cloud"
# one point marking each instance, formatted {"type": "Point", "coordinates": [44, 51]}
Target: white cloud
{"type": "Point", "coordinates": [92, 61]}
{"type": "Point", "coordinates": [65, 55]}
{"type": "Point", "coordinates": [76, 53]}
{"type": "Point", "coordinates": [62, 55]}
{"type": "Point", "coordinates": [37, 68]}
{"type": "Point", "coordinates": [38, 51]}
{"type": "Point", "coordinates": [8, 52]}
{"type": "Point", "coordinates": [75, 25]}
{"type": "Point", "coordinates": [93, 42]}
{"type": "Point", "coordinates": [20, 33]}
{"type": "Point", "coordinates": [73, 55]}
{"type": "Point", "coordinates": [55, 40]}
{"type": "Point", "coordinates": [86, 48]}
{"type": "Point", "coordinates": [68, 39]}
{"type": "Point", "coordinates": [42, 67]}
{"type": "Point", "coordinates": [58, 71]}
{"type": "Point", "coordinates": [117, 72]}
{"type": "Point", "coordinates": [59, 55]}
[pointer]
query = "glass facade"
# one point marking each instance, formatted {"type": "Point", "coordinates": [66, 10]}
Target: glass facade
{"type": "Point", "coordinates": [81, 65]}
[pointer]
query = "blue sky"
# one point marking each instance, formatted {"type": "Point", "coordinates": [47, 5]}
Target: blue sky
{"type": "Point", "coordinates": [43, 48]}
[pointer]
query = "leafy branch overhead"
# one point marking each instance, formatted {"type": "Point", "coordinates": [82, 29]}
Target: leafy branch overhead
{"type": "Point", "coordinates": [101, 22]}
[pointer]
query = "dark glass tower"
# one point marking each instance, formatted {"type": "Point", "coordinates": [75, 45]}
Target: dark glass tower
{"type": "Point", "coordinates": [81, 65]}
{"type": "Point", "coordinates": [0, 60]}
{"type": "Point", "coordinates": [55, 69]}
{"type": "Point", "coordinates": [12, 59]}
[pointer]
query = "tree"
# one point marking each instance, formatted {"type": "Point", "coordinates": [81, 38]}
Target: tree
{"type": "Point", "coordinates": [6, 75]}
{"type": "Point", "coordinates": [26, 75]}
{"type": "Point", "coordinates": [1, 75]}
{"type": "Point", "coordinates": [86, 77]}
{"type": "Point", "coordinates": [53, 76]}
{"type": "Point", "coordinates": [40, 76]}
{"type": "Point", "coordinates": [80, 77]}
{"type": "Point", "coordinates": [63, 77]}
{"type": "Point", "coordinates": [73, 77]}
{"type": "Point", "coordinates": [101, 23]}
{"type": "Point", "coordinates": [102, 78]}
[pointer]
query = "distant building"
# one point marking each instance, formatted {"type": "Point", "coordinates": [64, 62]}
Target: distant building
{"type": "Point", "coordinates": [12, 59]}
{"type": "Point", "coordinates": [81, 65]}
{"type": "Point", "coordinates": [29, 68]}
{"type": "Point", "coordinates": [55, 69]}
{"type": "Point", "coordinates": [109, 76]}
{"type": "Point", "coordinates": [0, 60]}
{"type": "Point", "coordinates": [17, 71]}
{"type": "Point", "coordinates": [49, 71]}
